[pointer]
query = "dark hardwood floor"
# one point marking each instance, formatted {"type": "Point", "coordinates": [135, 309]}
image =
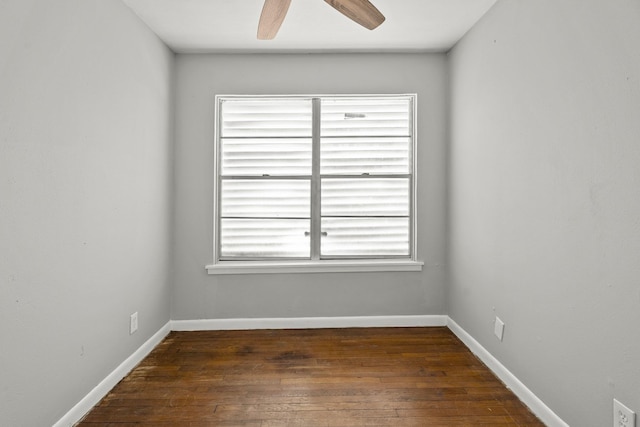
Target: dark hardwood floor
{"type": "Point", "coordinates": [320, 377]}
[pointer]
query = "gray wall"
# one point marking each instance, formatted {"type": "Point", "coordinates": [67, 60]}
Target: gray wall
{"type": "Point", "coordinates": [85, 186]}
{"type": "Point", "coordinates": [545, 198]}
{"type": "Point", "coordinates": [200, 296]}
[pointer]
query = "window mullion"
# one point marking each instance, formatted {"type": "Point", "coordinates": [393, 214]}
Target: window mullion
{"type": "Point", "coordinates": [315, 181]}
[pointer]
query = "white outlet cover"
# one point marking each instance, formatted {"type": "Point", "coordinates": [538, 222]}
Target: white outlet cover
{"type": "Point", "coordinates": [133, 323]}
{"type": "Point", "coordinates": [498, 328]}
{"type": "Point", "coordinates": [623, 416]}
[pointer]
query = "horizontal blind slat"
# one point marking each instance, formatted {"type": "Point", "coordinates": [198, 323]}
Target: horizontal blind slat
{"type": "Point", "coordinates": [365, 236]}
{"type": "Point", "coordinates": [266, 118]}
{"type": "Point", "coordinates": [264, 238]}
{"type": "Point", "coordinates": [266, 156]}
{"type": "Point", "coordinates": [265, 198]}
{"type": "Point", "coordinates": [365, 197]}
{"type": "Point", "coordinates": [365, 155]}
{"type": "Point", "coordinates": [365, 117]}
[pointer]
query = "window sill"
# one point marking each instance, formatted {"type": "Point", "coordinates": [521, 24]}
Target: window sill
{"type": "Point", "coordinates": [347, 266]}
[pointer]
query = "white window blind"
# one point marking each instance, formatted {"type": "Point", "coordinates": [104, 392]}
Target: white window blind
{"type": "Point", "coordinates": [313, 178]}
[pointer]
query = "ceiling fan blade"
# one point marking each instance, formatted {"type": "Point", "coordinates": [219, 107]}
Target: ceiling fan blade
{"type": "Point", "coordinates": [273, 13]}
{"type": "Point", "coordinates": [360, 11]}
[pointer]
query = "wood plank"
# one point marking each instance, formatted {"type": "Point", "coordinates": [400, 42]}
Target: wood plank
{"type": "Point", "coordinates": [318, 377]}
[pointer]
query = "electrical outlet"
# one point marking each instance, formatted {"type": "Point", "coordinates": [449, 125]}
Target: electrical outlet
{"type": "Point", "coordinates": [133, 323]}
{"type": "Point", "coordinates": [623, 416]}
{"type": "Point", "coordinates": [498, 328]}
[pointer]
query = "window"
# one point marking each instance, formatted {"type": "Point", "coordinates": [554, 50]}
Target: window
{"type": "Point", "coordinates": [314, 183]}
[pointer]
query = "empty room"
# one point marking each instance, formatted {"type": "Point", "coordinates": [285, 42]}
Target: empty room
{"type": "Point", "coordinates": [319, 213]}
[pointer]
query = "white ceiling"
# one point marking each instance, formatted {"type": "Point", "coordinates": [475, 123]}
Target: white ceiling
{"type": "Point", "coordinates": [195, 26]}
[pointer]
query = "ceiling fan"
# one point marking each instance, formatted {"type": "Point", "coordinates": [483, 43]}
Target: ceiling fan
{"type": "Point", "coordinates": [360, 11]}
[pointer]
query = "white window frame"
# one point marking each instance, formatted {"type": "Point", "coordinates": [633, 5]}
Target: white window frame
{"type": "Point", "coordinates": [377, 264]}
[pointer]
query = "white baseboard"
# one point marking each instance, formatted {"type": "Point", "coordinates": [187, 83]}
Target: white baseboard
{"type": "Point", "coordinates": [90, 400]}
{"type": "Point", "coordinates": [537, 406]}
{"type": "Point", "coordinates": [308, 323]}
